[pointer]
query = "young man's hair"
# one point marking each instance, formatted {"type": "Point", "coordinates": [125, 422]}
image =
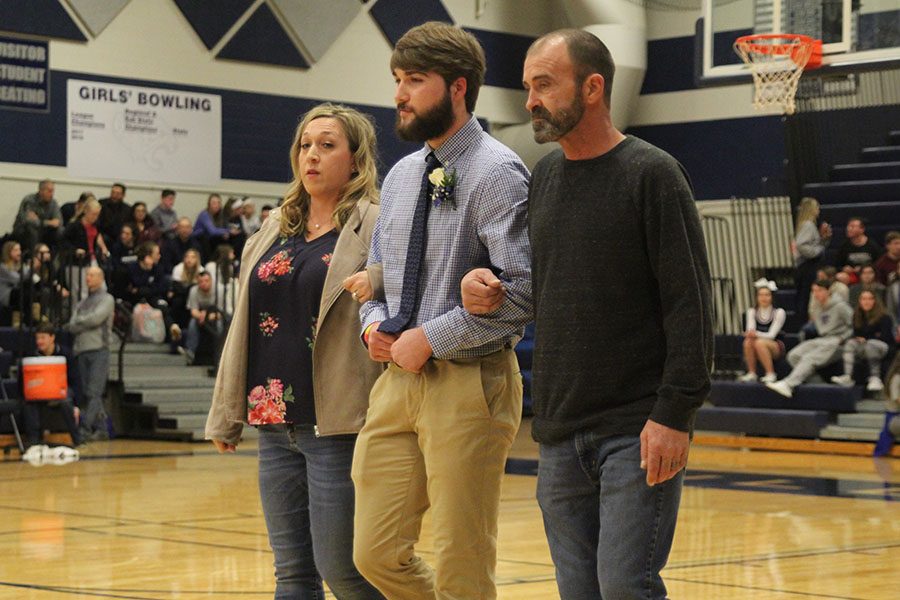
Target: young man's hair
{"type": "Point", "coordinates": [445, 49]}
{"type": "Point", "coordinates": [120, 185]}
{"type": "Point", "coordinates": [167, 192]}
{"type": "Point", "coordinates": [45, 327]}
{"type": "Point", "coordinates": [823, 283]}
{"type": "Point", "coordinates": [145, 250]}
{"type": "Point", "coordinates": [891, 236]}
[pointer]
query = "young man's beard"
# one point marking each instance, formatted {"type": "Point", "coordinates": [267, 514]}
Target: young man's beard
{"type": "Point", "coordinates": [552, 127]}
{"type": "Point", "coordinates": [428, 125]}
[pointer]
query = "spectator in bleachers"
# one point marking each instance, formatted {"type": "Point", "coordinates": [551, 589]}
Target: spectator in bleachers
{"type": "Point", "coordinates": [867, 281]}
{"type": "Point", "coordinates": [123, 251]}
{"type": "Point", "coordinates": [838, 289]}
{"type": "Point", "coordinates": [807, 247]}
{"type": "Point", "coordinates": [221, 267]}
{"type": "Point", "coordinates": [164, 216]}
{"type": "Point", "coordinates": [83, 238]}
{"type": "Point", "coordinates": [10, 277]}
{"type": "Point", "coordinates": [115, 211]}
{"type": "Point", "coordinates": [206, 312]}
{"type": "Point", "coordinates": [857, 250]}
{"type": "Point", "coordinates": [886, 266]}
{"type": "Point", "coordinates": [223, 272]}
{"type": "Point", "coordinates": [834, 325]}
{"type": "Point", "coordinates": [147, 283]}
{"type": "Point", "coordinates": [188, 269]}
{"type": "Point", "coordinates": [763, 337]}
{"type": "Point", "coordinates": [39, 218]}
{"type": "Point", "coordinates": [146, 280]}
{"type": "Point", "coordinates": [264, 213]}
{"type": "Point", "coordinates": [249, 220]}
{"type": "Point", "coordinates": [142, 226]}
{"type": "Point", "coordinates": [45, 345]}
{"type": "Point", "coordinates": [122, 254]}
{"type": "Point", "coordinates": [91, 323]}
{"type": "Point", "coordinates": [184, 276]}
{"type": "Point", "coordinates": [47, 291]}
{"type": "Point", "coordinates": [173, 249]}
{"type": "Point", "coordinates": [71, 211]}
{"type": "Point", "coordinates": [892, 300]}
{"type": "Point", "coordinates": [873, 337]}
{"type": "Point", "coordinates": [211, 228]}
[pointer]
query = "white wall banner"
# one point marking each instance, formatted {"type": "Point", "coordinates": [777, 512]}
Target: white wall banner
{"type": "Point", "coordinates": [129, 133]}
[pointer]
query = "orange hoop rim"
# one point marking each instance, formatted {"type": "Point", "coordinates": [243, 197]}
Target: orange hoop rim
{"type": "Point", "coordinates": [749, 42]}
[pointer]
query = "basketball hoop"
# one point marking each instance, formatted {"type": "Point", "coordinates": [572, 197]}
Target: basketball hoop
{"type": "Point", "coordinates": [777, 61]}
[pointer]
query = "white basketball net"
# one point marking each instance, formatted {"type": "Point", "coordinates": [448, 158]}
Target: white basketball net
{"type": "Point", "coordinates": [776, 64]}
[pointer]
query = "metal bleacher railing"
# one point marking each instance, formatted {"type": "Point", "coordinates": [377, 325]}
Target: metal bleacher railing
{"type": "Point", "coordinates": [746, 238]}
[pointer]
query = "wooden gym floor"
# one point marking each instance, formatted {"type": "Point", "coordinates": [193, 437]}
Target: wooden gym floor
{"type": "Point", "coordinates": [160, 521]}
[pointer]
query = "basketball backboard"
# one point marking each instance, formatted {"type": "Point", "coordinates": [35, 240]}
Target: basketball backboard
{"type": "Point", "coordinates": [856, 35]}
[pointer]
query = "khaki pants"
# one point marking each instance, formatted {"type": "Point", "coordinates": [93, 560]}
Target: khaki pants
{"type": "Point", "coordinates": [438, 438]}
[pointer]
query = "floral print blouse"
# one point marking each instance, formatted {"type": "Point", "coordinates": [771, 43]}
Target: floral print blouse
{"type": "Point", "coordinates": [285, 291]}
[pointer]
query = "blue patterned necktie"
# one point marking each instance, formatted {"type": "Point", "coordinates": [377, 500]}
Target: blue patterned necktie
{"type": "Point", "coordinates": [414, 255]}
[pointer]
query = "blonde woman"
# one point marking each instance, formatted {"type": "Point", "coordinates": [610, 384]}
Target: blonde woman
{"type": "Point", "coordinates": [807, 246]}
{"type": "Point", "coordinates": [185, 272]}
{"type": "Point", "coordinates": [293, 364]}
{"type": "Point", "coordinates": [10, 270]}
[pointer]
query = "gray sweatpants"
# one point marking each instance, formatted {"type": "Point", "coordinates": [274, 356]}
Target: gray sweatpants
{"type": "Point", "coordinates": [808, 356]}
{"type": "Point", "coordinates": [872, 350]}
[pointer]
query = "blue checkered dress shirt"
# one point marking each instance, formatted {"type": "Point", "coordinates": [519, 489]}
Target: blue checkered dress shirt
{"type": "Point", "coordinates": [487, 226]}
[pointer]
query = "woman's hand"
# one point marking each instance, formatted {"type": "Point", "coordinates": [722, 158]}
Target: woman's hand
{"type": "Point", "coordinates": [224, 447]}
{"type": "Point", "coordinates": [359, 287]}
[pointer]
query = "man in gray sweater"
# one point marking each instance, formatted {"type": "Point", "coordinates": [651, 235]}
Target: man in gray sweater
{"type": "Point", "coordinates": [834, 324]}
{"type": "Point", "coordinates": [623, 338]}
{"type": "Point", "coordinates": [91, 323]}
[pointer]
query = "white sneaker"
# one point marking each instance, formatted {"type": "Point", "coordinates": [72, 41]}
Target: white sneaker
{"type": "Point", "coordinates": [875, 384]}
{"type": "Point", "coordinates": [843, 380]}
{"type": "Point", "coordinates": [769, 378]}
{"type": "Point", "coordinates": [747, 377]}
{"type": "Point", "coordinates": [781, 387]}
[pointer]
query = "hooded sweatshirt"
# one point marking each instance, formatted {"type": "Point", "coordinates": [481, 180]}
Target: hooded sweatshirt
{"type": "Point", "coordinates": [835, 319]}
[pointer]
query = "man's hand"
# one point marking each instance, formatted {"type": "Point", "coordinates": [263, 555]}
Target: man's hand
{"type": "Point", "coordinates": [482, 292]}
{"type": "Point", "coordinates": [664, 451]}
{"type": "Point", "coordinates": [411, 350]}
{"type": "Point", "coordinates": [200, 316]}
{"type": "Point", "coordinates": [51, 223]}
{"type": "Point", "coordinates": [32, 216]}
{"type": "Point", "coordinates": [380, 344]}
{"type": "Point", "coordinates": [224, 447]}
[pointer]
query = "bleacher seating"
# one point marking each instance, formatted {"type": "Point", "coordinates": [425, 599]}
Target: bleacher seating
{"type": "Point", "coordinates": [869, 189]}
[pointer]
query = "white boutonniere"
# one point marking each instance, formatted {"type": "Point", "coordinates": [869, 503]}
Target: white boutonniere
{"type": "Point", "coordinates": [444, 184]}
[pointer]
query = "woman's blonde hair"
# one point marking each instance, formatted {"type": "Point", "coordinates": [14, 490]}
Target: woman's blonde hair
{"type": "Point", "coordinates": [806, 211]}
{"type": "Point", "coordinates": [360, 132]}
{"type": "Point", "coordinates": [6, 252]}
{"type": "Point", "coordinates": [189, 274]}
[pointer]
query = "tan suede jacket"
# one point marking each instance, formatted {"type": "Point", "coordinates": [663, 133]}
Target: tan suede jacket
{"type": "Point", "coordinates": [343, 373]}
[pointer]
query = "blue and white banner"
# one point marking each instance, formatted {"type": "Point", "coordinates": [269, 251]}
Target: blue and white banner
{"type": "Point", "coordinates": [132, 133]}
{"type": "Point", "coordinates": [24, 74]}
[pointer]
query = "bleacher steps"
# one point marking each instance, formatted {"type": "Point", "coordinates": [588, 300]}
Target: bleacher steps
{"type": "Point", "coordinates": [858, 193]}
{"type": "Point", "coordinates": [894, 138]}
{"type": "Point", "coordinates": [880, 153]}
{"type": "Point", "coordinates": [856, 434]}
{"type": "Point", "coordinates": [866, 171]}
{"type": "Point", "coordinates": [762, 422]}
{"type": "Point", "coordinates": [862, 420]}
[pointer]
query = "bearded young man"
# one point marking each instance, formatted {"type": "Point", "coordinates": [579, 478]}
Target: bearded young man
{"type": "Point", "coordinates": [623, 341]}
{"type": "Point", "coordinates": [444, 414]}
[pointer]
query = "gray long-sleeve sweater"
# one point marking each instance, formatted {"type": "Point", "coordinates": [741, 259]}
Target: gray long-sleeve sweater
{"type": "Point", "coordinates": [91, 322]}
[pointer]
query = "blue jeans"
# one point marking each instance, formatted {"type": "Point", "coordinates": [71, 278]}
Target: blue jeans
{"type": "Point", "coordinates": [93, 370]}
{"type": "Point", "coordinates": [32, 413]}
{"type": "Point", "coordinates": [308, 501]}
{"type": "Point", "coordinates": [609, 532]}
